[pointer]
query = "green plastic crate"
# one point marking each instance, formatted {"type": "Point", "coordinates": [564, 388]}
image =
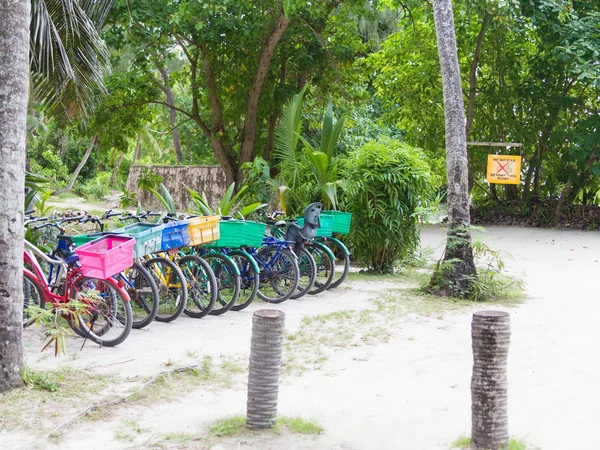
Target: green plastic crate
{"type": "Point", "coordinates": [232, 234]}
{"type": "Point", "coordinates": [254, 232]}
{"type": "Point", "coordinates": [147, 237]}
{"type": "Point", "coordinates": [341, 221]}
{"type": "Point", "coordinates": [238, 233]}
{"type": "Point", "coordinates": [326, 228]}
{"type": "Point", "coordinates": [81, 239]}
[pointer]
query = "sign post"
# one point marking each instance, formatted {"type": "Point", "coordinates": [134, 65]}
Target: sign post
{"type": "Point", "coordinates": [504, 169]}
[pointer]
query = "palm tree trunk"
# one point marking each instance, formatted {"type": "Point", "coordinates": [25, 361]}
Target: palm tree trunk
{"type": "Point", "coordinates": [14, 79]}
{"type": "Point", "coordinates": [490, 332]}
{"type": "Point", "coordinates": [86, 156]}
{"type": "Point", "coordinates": [459, 252]}
{"type": "Point", "coordinates": [265, 364]}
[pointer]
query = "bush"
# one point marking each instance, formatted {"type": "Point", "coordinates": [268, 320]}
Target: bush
{"type": "Point", "coordinates": [387, 183]}
{"type": "Point", "coordinates": [97, 188]}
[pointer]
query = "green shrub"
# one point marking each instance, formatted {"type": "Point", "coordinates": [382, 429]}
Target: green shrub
{"type": "Point", "coordinates": [388, 182]}
{"type": "Point", "coordinates": [96, 188]}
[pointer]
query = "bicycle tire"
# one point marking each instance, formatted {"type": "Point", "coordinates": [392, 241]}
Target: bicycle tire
{"type": "Point", "coordinates": [111, 311]}
{"type": "Point", "coordinates": [340, 252]}
{"type": "Point", "coordinates": [308, 273]}
{"type": "Point", "coordinates": [228, 281]}
{"type": "Point", "coordinates": [286, 270]}
{"type": "Point", "coordinates": [33, 295]}
{"type": "Point", "coordinates": [249, 278]}
{"type": "Point", "coordinates": [201, 286]}
{"type": "Point", "coordinates": [143, 294]}
{"type": "Point", "coordinates": [172, 288]}
{"type": "Point", "coordinates": [325, 267]}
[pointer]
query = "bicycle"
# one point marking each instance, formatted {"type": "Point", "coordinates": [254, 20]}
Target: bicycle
{"type": "Point", "coordinates": [106, 317]}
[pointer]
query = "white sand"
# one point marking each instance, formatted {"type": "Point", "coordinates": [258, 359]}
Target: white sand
{"type": "Point", "coordinates": [410, 393]}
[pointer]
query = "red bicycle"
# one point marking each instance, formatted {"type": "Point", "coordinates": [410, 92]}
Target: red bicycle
{"type": "Point", "coordinates": [101, 311]}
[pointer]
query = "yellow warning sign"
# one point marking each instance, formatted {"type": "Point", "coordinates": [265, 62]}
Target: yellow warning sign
{"type": "Point", "coordinates": [504, 169]}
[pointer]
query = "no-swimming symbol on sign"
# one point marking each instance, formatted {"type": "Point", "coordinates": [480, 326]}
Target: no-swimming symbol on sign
{"type": "Point", "coordinates": [504, 169]}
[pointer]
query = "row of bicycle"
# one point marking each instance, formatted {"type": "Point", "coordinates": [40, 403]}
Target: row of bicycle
{"type": "Point", "coordinates": [107, 282]}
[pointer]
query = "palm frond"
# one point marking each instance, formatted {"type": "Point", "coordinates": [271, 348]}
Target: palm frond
{"type": "Point", "coordinates": [67, 58]}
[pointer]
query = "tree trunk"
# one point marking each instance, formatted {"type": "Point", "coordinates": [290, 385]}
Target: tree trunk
{"type": "Point", "coordinates": [217, 130]}
{"type": "Point", "coordinates": [566, 192]}
{"type": "Point", "coordinates": [265, 364]}
{"type": "Point", "coordinates": [138, 149]}
{"type": "Point", "coordinates": [113, 177]}
{"type": "Point", "coordinates": [473, 87]}
{"type": "Point", "coordinates": [87, 154]}
{"type": "Point", "coordinates": [459, 252]}
{"type": "Point", "coordinates": [490, 333]}
{"type": "Point", "coordinates": [170, 100]}
{"type": "Point", "coordinates": [264, 62]}
{"type": "Point", "coordinates": [14, 79]}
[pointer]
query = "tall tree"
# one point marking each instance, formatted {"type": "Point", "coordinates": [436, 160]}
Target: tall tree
{"type": "Point", "coordinates": [458, 272]}
{"type": "Point", "coordinates": [14, 81]}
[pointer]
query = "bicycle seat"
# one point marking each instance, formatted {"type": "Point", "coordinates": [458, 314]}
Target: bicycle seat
{"type": "Point", "coordinates": [308, 231]}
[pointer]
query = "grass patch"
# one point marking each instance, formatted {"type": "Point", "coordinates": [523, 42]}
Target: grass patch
{"type": "Point", "coordinates": [49, 395]}
{"type": "Point", "coordinates": [513, 444]}
{"type": "Point", "coordinates": [228, 426]}
{"type": "Point", "coordinates": [236, 425]}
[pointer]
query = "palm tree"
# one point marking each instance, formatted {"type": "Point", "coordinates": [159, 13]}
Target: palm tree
{"type": "Point", "coordinates": [14, 48]}
{"type": "Point", "coordinates": [67, 58]}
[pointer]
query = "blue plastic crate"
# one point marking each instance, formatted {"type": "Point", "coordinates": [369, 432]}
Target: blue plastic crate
{"type": "Point", "coordinates": [175, 235]}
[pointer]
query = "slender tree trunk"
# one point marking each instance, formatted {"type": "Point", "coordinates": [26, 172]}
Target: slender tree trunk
{"type": "Point", "coordinates": [138, 149]}
{"type": "Point", "coordinates": [473, 86]}
{"type": "Point", "coordinates": [14, 79]}
{"type": "Point", "coordinates": [113, 177]}
{"type": "Point", "coordinates": [170, 100]}
{"type": "Point", "coordinates": [217, 130]}
{"type": "Point", "coordinates": [86, 156]}
{"type": "Point", "coordinates": [264, 62]}
{"type": "Point", "coordinates": [459, 252]}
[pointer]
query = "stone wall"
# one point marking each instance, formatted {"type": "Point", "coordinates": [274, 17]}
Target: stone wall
{"type": "Point", "coordinates": [210, 179]}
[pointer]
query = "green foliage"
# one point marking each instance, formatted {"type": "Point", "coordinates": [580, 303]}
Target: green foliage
{"type": "Point", "coordinates": [148, 179]}
{"type": "Point", "coordinates": [128, 199]}
{"type": "Point", "coordinates": [34, 380]}
{"type": "Point", "coordinates": [229, 204]}
{"type": "Point", "coordinates": [310, 174]}
{"type": "Point", "coordinates": [97, 188]}
{"type": "Point", "coordinates": [165, 198]}
{"type": "Point", "coordinates": [387, 182]}
{"type": "Point", "coordinates": [257, 176]}
{"type": "Point", "coordinates": [462, 442]}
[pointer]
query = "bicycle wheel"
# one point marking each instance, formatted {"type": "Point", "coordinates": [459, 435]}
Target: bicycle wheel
{"type": "Point", "coordinates": [250, 278]}
{"type": "Point", "coordinates": [308, 273]}
{"type": "Point", "coordinates": [172, 288]}
{"type": "Point", "coordinates": [107, 319]}
{"type": "Point", "coordinates": [279, 274]}
{"type": "Point", "coordinates": [342, 260]}
{"type": "Point", "coordinates": [325, 267]}
{"type": "Point", "coordinates": [201, 285]}
{"type": "Point", "coordinates": [228, 281]}
{"type": "Point", "coordinates": [33, 295]}
{"type": "Point", "coordinates": [143, 294]}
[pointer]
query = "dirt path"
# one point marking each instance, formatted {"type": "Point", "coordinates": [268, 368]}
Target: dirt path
{"type": "Point", "coordinates": [395, 383]}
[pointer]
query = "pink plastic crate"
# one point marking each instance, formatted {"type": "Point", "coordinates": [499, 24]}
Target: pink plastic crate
{"type": "Point", "coordinates": [106, 256]}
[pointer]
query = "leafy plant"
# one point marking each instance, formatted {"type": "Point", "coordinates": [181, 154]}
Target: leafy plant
{"type": "Point", "coordinates": [165, 198]}
{"type": "Point", "coordinates": [128, 199]}
{"type": "Point", "coordinates": [41, 208]}
{"type": "Point", "coordinates": [313, 171]}
{"type": "Point", "coordinates": [388, 181]}
{"type": "Point", "coordinates": [33, 184]}
{"type": "Point", "coordinates": [34, 380]}
{"type": "Point", "coordinates": [148, 179]}
{"type": "Point", "coordinates": [229, 204]}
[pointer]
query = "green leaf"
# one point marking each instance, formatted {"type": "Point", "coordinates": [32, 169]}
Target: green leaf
{"type": "Point", "coordinates": [253, 207]}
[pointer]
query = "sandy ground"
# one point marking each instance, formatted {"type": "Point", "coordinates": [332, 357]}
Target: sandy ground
{"type": "Point", "coordinates": [411, 392]}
